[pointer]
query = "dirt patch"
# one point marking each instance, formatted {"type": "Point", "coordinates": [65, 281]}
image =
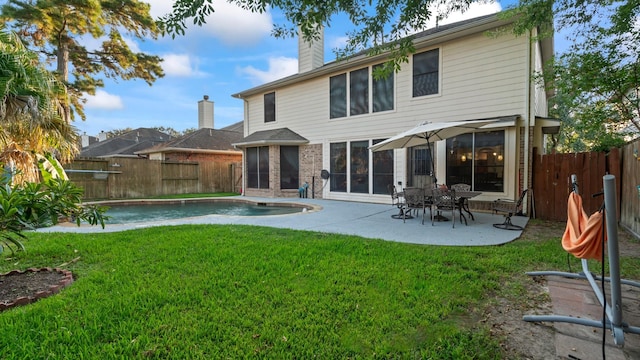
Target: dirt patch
{"type": "Point", "coordinates": [24, 287]}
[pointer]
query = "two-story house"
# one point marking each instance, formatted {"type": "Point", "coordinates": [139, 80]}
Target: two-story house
{"type": "Point", "coordinates": [317, 126]}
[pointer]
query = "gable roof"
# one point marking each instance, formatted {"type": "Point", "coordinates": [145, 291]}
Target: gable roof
{"type": "Point", "coordinates": [127, 144]}
{"type": "Point", "coordinates": [239, 126]}
{"type": "Point", "coordinates": [421, 40]}
{"type": "Point", "coordinates": [282, 136]}
{"type": "Point", "coordinates": [202, 140]}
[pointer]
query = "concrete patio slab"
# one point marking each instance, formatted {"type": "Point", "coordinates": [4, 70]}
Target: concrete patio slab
{"type": "Point", "coordinates": [352, 218]}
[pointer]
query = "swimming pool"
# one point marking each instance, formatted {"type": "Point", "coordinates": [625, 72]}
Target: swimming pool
{"type": "Point", "coordinates": [125, 212]}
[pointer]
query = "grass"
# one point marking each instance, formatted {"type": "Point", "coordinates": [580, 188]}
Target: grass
{"type": "Point", "coordinates": [212, 292]}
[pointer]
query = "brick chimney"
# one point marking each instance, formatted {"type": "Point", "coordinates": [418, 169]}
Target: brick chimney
{"type": "Point", "coordinates": [205, 113]}
{"type": "Point", "coordinates": [310, 55]}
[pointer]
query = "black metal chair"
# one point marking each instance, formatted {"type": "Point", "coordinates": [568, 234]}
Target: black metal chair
{"type": "Point", "coordinates": [509, 208]}
{"type": "Point", "coordinates": [414, 200]}
{"type": "Point", "coordinates": [463, 203]}
{"type": "Point", "coordinates": [397, 201]}
{"type": "Point", "coordinates": [443, 199]}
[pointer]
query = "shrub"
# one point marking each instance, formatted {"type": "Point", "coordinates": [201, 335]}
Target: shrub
{"type": "Point", "coordinates": [36, 205]}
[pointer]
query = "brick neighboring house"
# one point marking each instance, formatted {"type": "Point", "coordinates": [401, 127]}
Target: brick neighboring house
{"type": "Point", "coordinates": [201, 145]}
{"type": "Point", "coordinates": [146, 162]}
{"type": "Point", "coordinates": [204, 144]}
{"type": "Point", "coordinates": [318, 125]}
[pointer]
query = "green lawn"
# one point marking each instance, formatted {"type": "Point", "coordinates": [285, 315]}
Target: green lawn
{"type": "Point", "coordinates": [213, 292]}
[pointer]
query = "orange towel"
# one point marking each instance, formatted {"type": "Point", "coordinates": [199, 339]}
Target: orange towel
{"type": "Point", "coordinates": [583, 235]}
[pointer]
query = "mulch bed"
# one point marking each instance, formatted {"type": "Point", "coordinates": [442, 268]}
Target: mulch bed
{"type": "Point", "coordinates": [21, 287]}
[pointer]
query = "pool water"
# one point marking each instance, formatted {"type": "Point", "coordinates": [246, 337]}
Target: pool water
{"type": "Point", "coordinates": [123, 214]}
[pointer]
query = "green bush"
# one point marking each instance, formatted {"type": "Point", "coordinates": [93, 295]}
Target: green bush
{"type": "Point", "coordinates": [35, 205]}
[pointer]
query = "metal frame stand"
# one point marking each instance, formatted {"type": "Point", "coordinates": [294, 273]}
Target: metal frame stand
{"type": "Point", "coordinates": [613, 309]}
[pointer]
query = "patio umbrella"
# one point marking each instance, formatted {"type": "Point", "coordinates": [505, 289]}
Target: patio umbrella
{"type": "Point", "coordinates": [428, 132]}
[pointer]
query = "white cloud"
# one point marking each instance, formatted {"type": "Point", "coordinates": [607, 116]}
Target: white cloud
{"type": "Point", "coordinates": [104, 100]}
{"type": "Point", "coordinates": [475, 10]}
{"type": "Point", "coordinates": [230, 24]}
{"type": "Point", "coordinates": [238, 27]}
{"type": "Point", "coordinates": [160, 7]}
{"type": "Point", "coordinates": [279, 67]}
{"type": "Point", "coordinates": [179, 65]}
{"type": "Point", "coordinates": [339, 42]}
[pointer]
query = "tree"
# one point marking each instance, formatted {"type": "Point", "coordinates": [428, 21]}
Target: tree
{"type": "Point", "coordinates": [54, 28]}
{"type": "Point", "coordinates": [31, 111]}
{"type": "Point", "coordinates": [597, 79]}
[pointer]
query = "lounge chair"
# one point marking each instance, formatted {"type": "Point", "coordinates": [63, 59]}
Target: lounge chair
{"type": "Point", "coordinates": [509, 208]}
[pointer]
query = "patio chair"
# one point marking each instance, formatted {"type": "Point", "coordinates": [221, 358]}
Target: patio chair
{"type": "Point", "coordinates": [414, 200]}
{"type": "Point", "coordinates": [397, 201]}
{"type": "Point", "coordinates": [443, 200]}
{"type": "Point", "coordinates": [509, 208]}
{"type": "Point", "coordinates": [463, 202]}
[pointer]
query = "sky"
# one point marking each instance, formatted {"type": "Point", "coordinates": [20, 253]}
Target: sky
{"type": "Point", "coordinates": [234, 51]}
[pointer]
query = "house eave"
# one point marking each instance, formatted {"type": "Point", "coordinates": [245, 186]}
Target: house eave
{"type": "Point", "coordinates": [269, 142]}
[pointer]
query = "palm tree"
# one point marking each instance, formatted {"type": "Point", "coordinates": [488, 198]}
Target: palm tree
{"type": "Point", "coordinates": [32, 115]}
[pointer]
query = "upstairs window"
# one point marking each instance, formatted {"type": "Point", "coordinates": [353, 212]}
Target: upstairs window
{"type": "Point", "coordinates": [382, 91]}
{"type": "Point", "coordinates": [338, 96]}
{"type": "Point", "coordinates": [426, 69]}
{"type": "Point", "coordinates": [270, 107]}
{"type": "Point", "coordinates": [359, 91]}
{"type": "Point", "coordinates": [363, 89]}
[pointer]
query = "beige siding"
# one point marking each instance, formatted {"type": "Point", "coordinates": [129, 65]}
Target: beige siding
{"type": "Point", "coordinates": [480, 77]}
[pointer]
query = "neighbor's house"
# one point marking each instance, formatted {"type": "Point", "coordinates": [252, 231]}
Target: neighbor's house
{"type": "Point", "coordinates": [124, 145]}
{"type": "Point", "coordinates": [204, 144]}
{"type": "Point", "coordinates": [146, 162]}
{"type": "Point", "coordinates": [328, 115]}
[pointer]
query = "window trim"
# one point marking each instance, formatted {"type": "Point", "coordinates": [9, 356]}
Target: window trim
{"type": "Point", "coordinates": [438, 93]}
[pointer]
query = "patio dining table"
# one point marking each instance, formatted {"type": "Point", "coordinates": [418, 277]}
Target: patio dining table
{"type": "Point", "coordinates": [461, 199]}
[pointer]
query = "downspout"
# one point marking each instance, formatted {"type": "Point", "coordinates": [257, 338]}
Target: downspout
{"type": "Point", "coordinates": [245, 131]}
{"type": "Point", "coordinates": [527, 121]}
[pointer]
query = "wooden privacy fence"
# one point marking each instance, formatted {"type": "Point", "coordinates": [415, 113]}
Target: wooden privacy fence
{"type": "Point", "coordinates": [630, 188]}
{"type": "Point", "coordinates": [552, 181]}
{"type": "Point", "coordinates": [120, 178]}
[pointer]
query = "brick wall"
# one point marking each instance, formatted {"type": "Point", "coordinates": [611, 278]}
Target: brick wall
{"type": "Point", "coordinates": [310, 160]}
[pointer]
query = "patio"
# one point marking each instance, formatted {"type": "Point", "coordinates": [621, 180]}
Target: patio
{"type": "Point", "coordinates": [353, 218]}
